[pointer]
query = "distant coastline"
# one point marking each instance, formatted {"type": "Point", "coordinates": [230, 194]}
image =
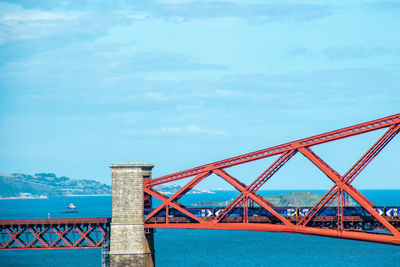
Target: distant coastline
{"type": "Point", "coordinates": [45, 185]}
{"type": "Point", "coordinates": [45, 197]}
{"type": "Point", "coordinates": [49, 185]}
{"type": "Point", "coordinates": [26, 196]}
{"type": "Point", "coordinates": [172, 189]}
{"type": "Point", "coordinates": [89, 195]}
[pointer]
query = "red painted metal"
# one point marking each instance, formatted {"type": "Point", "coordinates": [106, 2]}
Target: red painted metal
{"type": "Point", "coordinates": [277, 150]}
{"type": "Point", "coordinates": [53, 233]}
{"type": "Point", "coordinates": [92, 232]}
{"type": "Point", "coordinates": [386, 229]}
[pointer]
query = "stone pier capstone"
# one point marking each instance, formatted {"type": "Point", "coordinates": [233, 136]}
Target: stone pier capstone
{"type": "Point", "coordinates": [129, 244]}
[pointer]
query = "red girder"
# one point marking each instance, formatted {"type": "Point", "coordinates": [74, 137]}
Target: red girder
{"type": "Point", "coordinates": [263, 178]}
{"type": "Point", "coordinates": [166, 201]}
{"type": "Point", "coordinates": [258, 199]}
{"type": "Point", "coordinates": [354, 235]}
{"type": "Point", "coordinates": [307, 224]}
{"type": "Point", "coordinates": [92, 232]}
{"type": "Point", "coordinates": [276, 150]}
{"type": "Point", "coordinates": [53, 233]}
{"type": "Point", "coordinates": [353, 172]}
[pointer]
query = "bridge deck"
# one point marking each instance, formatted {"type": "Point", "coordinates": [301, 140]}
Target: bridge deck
{"type": "Point", "coordinates": [94, 232]}
{"type": "Point", "coordinates": [328, 221]}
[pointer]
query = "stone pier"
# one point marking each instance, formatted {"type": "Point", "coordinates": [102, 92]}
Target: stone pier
{"type": "Point", "coordinates": [130, 245]}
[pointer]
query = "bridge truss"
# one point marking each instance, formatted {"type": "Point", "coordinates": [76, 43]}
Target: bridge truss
{"type": "Point", "coordinates": [377, 227]}
{"type": "Point", "coordinates": [384, 229]}
{"type": "Point", "coordinates": [54, 233]}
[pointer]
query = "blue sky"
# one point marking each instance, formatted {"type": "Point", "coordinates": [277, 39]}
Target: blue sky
{"type": "Point", "coordinates": [182, 83]}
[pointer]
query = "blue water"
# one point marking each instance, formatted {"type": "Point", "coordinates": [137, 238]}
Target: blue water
{"type": "Point", "coordinates": [176, 247]}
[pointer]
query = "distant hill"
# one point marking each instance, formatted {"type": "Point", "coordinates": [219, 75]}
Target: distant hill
{"type": "Point", "coordinates": [48, 185]}
{"type": "Point", "coordinates": [19, 185]}
{"type": "Point", "coordinates": [294, 199]}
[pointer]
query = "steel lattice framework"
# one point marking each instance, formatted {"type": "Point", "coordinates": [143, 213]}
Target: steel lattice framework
{"type": "Point", "coordinates": [54, 233]}
{"type": "Point", "coordinates": [386, 229]}
{"type": "Point", "coordinates": [94, 232]}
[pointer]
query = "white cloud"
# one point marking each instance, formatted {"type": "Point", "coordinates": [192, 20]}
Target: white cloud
{"type": "Point", "coordinates": [188, 129]}
{"type": "Point", "coordinates": [264, 12]}
{"type": "Point", "coordinates": [33, 24]}
{"type": "Point", "coordinates": [191, 128]}
{"type": "Point", "coordinates": [33, 16]}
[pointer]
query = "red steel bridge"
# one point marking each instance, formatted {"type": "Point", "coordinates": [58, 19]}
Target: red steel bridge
{"type": "Point", "coordinates": [368, 223]}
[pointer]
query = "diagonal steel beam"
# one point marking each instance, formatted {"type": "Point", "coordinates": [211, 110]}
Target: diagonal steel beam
{"type": "Point", "coordinates": [178, 194]}
{"type": "Point", "coordinates": [236, 202]}
{"type": "Point", "coordinates": [61, 235]}
{"type": "Point", "coordinates": [253, 187]}
{"type": "Point", "coordinates": [276, 150]}
{"type": "Point", "coordinates": [239, 199]}
{"type": "Point", "coordinates": [363, 162]}
{"type": "Point", "coordinates": [332, 174]}
{"type": "Point", "coordinates": [353, 172]}
{"type": "Point", "coordinates": [371, 153]}
{"type": "Point", "coordinates": [38, 237]}
{"type": "Point", "coordinates": [172, 204]}
{"type": "Point", "coordinates": [355, 194]}
{"type": "Point", "coordinates": [257, 198]}
{"type": "Point", "coordinates": [83, 234]}
{"type": "Point", "coordinates": [14, 237]}
{"type": "Point", "coordinates": [265, 176]}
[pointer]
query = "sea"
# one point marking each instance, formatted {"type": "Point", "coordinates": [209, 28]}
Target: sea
{"type": "Point", "coordinates": [180, 247]}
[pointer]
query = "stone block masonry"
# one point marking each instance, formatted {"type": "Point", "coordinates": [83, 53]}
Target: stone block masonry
{"type": "Point", "coordinates": [129, 244]}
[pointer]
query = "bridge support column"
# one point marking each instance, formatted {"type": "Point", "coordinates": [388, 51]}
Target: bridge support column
{"type": "Point", "coordinates": [129, 244]}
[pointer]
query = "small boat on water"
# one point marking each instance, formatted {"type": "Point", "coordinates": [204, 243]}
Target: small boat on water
{"type": "Point", "coordinates": [70, 209]}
